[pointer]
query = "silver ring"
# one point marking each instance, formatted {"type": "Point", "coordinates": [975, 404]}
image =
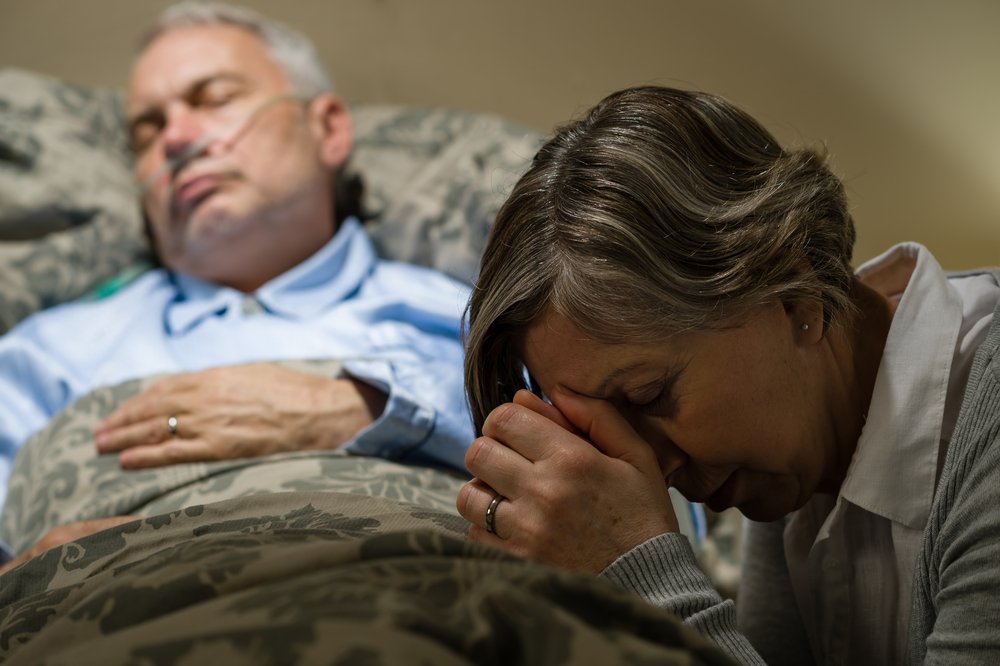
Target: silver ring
{"type": "Point", "coordinates": [172, 425]}
{"type": "Point", "coordinates": [491, 514]}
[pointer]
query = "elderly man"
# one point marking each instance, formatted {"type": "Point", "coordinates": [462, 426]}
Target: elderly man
{"type": "Point", "coordinates": [239, 148]}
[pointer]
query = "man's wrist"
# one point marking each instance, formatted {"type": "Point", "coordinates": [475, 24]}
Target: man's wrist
{"type": "Point", "coordinates": [353, 406]}
{"type": "Point", "coordinates": [374, 399]}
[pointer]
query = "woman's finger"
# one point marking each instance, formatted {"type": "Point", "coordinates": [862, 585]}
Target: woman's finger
{"type": "Point", "coordinates": [534, 436]}
{"type": "Point", "coordinates": [498, 466]}
{"type": "Point", "coordinates": [489, 513]}
{"type": "Point", "coordinates": [604, 426]}
{"type": "Point", "coordinates": [526, 398]}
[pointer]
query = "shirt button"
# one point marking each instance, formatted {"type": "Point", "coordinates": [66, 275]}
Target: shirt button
{"type": "Point", "coordinates": [251, 306]}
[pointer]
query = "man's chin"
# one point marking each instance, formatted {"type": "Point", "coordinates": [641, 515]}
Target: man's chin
{"type": "Point", "coordinates": [204, 236]}
{"type": "Point", "coordinates": [214, 203]}
{"type": "Point", "coordinates": [211, 219]}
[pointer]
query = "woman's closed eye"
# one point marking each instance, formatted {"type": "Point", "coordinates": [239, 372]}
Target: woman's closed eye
{"type": "Point", "coordinates": [656, 402]}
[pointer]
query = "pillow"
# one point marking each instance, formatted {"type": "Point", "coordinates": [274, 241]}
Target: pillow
{"type": "Point", "coordinates": [68, 213]}
{"type": "Point", "coordinates": [69, 220]}
{"type": "Point", "coordinates": [435, 179]}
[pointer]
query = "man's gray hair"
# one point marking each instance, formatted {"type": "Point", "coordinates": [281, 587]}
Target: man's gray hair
{"type": "Point", "coordinates": [291, 50]}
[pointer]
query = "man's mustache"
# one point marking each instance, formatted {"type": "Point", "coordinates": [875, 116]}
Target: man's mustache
{"type": "Point", "coordinates": [173, 165]}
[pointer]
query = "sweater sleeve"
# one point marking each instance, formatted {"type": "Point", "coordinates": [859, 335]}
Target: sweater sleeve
{"type": "Point", "coordinates": [664, 572]}
{"type": "Point", "coordinates": [956, 608]}
{"type": "Point", "coordinates": [956, 584]}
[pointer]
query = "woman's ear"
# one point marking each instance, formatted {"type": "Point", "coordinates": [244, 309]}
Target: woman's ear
{"type": "Point", "coordinates": [806, 314]}
{"type": "Point", "coordinates": [331, 122]}
{"type": "Point", "coordinates": [806, 318]}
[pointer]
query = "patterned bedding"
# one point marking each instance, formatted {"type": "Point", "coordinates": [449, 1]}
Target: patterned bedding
{"type": "Point", "coordinates": [309, 557]}
{"type": "Point", "coordinates": [331, 578]}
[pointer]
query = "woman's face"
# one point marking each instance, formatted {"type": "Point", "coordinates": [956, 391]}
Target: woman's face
{"type": "Point", "coordinates": [735, 416]}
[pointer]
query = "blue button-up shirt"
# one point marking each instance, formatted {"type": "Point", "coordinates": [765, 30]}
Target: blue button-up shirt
{"type": "Point", "coordinates": [393, 325]}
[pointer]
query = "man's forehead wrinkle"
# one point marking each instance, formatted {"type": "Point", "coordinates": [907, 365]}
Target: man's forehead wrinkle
{"type": "Point", "coordinates": [185, 55]}
{"type": "Point", "coordinates": [151, 107]}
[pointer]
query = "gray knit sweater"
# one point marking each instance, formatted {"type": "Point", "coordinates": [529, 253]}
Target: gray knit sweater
{"type": "Point", "coordinates": [955, 613]}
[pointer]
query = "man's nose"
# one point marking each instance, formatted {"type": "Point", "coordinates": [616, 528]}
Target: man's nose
{"type": "Point", "coordinates": [183, 129]}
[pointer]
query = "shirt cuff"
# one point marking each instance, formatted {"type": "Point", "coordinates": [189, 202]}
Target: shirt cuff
{"type": "Point", "coordinates": [404, 423]}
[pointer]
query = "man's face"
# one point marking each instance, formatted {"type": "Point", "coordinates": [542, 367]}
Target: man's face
{"type": "Point", "coordinates": [257, 200]}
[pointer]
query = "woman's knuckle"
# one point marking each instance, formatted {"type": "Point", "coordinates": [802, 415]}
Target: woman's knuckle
{"type": "Point", "coordinates": [503, 418]}
{"type": "Point", "coordinates": [463, 499]}
{"type": "Point", "coordinates": [478, 453]}
{"type": "Point", "coordinates": [572, 462]}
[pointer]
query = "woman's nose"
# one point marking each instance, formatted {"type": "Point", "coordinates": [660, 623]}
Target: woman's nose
{"type": "Point", "coordinates": [669, 456]}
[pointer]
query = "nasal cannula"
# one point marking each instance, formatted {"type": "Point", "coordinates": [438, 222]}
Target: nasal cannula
{"type": "Point", "coordinates": [198, 148]}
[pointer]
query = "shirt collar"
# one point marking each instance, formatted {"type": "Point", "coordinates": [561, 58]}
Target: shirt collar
{"type": "Point", "coordinates": [327, 277]}
{"type": "Point", "coordinates": [894, 468]}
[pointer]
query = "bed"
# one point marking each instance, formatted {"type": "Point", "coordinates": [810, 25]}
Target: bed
{"type": "Point", "coordinates": [307, 557]}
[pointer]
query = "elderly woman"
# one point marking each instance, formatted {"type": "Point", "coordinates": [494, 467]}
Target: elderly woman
{"type": "Point", "coordinates": [675, 291]}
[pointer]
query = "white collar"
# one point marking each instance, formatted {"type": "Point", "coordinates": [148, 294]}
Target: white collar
{"type": "Point", "coordinates": [329, 276]}
{"type": "Point", "coordinates": [894, 468]}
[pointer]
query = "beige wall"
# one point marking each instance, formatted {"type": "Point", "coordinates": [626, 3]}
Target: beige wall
{"type": "Point", "coordinates": [905, 95]}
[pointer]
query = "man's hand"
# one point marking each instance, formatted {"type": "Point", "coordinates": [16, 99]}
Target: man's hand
{"type": "Point", "coordinates": [237, 412]}
{"type": "Point", "coordinates": [580, 487]}
{"type": "Point", "coordinates": [57, 536]}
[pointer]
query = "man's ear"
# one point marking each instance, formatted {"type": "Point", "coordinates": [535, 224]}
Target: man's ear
{"type": "Point", "coordinates": [331, 122]}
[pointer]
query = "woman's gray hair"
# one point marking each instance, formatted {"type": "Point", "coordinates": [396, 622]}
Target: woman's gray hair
{"type": "Point", "coordinates": [291, 50]}
{"type": "Point", "coordinates": [659, 212]}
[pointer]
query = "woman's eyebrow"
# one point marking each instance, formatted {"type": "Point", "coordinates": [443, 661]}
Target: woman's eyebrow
{"type": "Point", "coordinates": [614, 376]}
{"type": "Point", "coordinates": [671, 374]}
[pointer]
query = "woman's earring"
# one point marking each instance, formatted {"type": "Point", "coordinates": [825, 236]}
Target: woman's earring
{"type": "Point", "coordinates": [805, 327]}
